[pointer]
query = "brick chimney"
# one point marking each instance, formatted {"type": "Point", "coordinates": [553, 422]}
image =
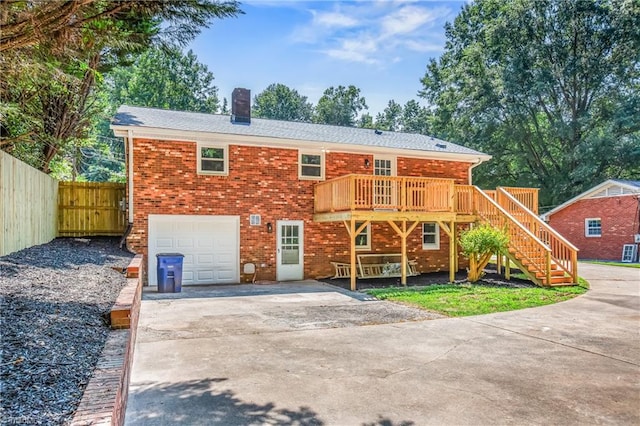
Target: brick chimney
{"type": "Point", "coordinates": [241, 106]}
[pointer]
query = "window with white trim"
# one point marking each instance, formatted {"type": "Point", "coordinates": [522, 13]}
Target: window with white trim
{"type": "Point", "coordinates": [363, 239]}
{"type": "Point", "coordinates": [593, 227]}
{"type": "Point", "coordinates": [255, 220]}
{"type": "Point", "coordinates": [310, 165]}
{"type": "Point", "coordinates": [430, 236]}
{"type": "Point", "coordinates": [213, 159]}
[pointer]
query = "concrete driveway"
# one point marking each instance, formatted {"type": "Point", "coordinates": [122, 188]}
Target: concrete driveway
{"type": "Point", "coordinates": [310, 354]}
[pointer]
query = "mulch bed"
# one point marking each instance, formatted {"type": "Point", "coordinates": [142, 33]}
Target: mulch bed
{"type": "Point", "coordinates": [54, 301]}
{"type": "Point", "coordinates": [491, 278]}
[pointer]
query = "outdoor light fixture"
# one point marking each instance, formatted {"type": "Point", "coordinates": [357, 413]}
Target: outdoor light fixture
{"type": "Point", "coordinates": [366, 163]}
{"type": "Point", "coordinates": [269, 227]}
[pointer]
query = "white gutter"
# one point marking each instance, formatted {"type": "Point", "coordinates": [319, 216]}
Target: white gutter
{"type": "Point", "coordinates": [473, 166]}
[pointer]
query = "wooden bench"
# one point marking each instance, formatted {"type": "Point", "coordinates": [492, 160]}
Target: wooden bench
{"type": "Point", "coordinates": [380, 265]}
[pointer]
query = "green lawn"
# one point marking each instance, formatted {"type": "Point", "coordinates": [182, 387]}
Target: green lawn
{"type": "Point", "coordinates": [626, 265]}
{"type": "Point", "coordinates": [463, 300]}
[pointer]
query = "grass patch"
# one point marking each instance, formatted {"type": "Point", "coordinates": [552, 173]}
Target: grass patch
{"type": "Point", "coordinates": [457, 300]}
{"type": "Point", "coordinates": [581, 281]}
{"type": "Point", "coordinates": [624, 265]}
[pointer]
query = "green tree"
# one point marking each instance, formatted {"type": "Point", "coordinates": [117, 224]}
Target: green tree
{"type": "Point", "coordinates": [340, 106]}
{"type": "Point", "coordinates": [391, 118]}
{"type": "Point", "coordinates": [366, 121]}
{"type": "Point", "coordinates": [415, 118]}
{"type": "Point", "coordinates": [55, 53]}
{"type": "Point", "coordinates": [167, 79]}
{"type": "Point", "coordinates": [550, 88]}
{"type": "Point", "coordinates": [279, 102]}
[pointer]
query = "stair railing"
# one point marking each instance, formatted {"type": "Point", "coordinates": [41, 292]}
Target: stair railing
{"type": "Point", "coordinates": [529, 248]}
{"type": "Point", "coordinates": [563, 253]}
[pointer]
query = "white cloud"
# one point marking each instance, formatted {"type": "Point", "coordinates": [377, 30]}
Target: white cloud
{"type": "Point", "coordinates": [334, 19]}
{"type": "Point", "coordinates": [322, 25]}
{"type": "Point", "coordinates": [366, 31]}
{"type": "Point", "coordinates": [361, 48]}
{"type": "Point", "coordinates": [424, 46]}
{"type": "Point", "coordinates": [350, 56]}
{"type": "Point", "coordinates": [407, 20]}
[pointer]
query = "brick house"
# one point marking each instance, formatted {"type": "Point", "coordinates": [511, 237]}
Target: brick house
{"type": "Point", "coordinates": [601, 220]}
{"type": "Point", "coordinates": [290, 197]}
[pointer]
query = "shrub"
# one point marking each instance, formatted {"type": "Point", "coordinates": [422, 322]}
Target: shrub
{"type": "Point", "coordinates": [479, 244]}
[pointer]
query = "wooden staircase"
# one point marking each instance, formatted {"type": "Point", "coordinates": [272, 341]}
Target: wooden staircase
{"type": "Point", "coordinates": [539, 251]}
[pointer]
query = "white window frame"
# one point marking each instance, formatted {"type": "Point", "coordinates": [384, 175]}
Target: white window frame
{"type": "Point", "coordinates": [629, 253]}
{"type": "Point", "coordinates": [436, 244]}
{"type": "Point", "coordinates": [367, 232]}
{"type": "Point", "coordinates": [586, 227]}
{"type": "Point", "coordinates": [315, 153]}
{"type": "Point", "coordinates": [255, 220]}
{"type": "Point", "coordinates": [225, 150]}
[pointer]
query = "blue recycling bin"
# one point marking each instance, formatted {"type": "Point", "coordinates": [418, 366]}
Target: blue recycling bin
{"type": "Point", "coordinates": [169, 272]}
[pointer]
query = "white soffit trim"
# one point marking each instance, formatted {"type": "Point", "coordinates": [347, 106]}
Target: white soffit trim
{"type": "Point", "coordinates": [193, 136]}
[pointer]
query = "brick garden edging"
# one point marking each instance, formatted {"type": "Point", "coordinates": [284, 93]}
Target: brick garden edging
{"type": "Point", "coordinates": [105, 398]}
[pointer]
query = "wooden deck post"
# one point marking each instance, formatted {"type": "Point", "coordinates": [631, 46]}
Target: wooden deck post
{"type": "Point", "coordinates": [403, 257]}
{"type": "Point", "coordinates": [404, 232]}
{"type": "Point", "coordinates": [353, 235]}
{"type": "Point", "coordinates": [452, 251]}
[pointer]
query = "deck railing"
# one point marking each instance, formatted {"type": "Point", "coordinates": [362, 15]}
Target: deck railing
{"type": "Point", "coordinates": [563, 253]}
{"type": "Point", "coordinates": [528, 197]}
{"type": "Point", "coordinates": [368, 192]}
{"type": "Point", "coordinates": [464, 199]}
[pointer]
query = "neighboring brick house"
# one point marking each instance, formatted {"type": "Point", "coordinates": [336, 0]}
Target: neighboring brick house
{"type": "Point", "coordinates": [602, 220]}
{"type": "Point", "coordinates": [289, 197]}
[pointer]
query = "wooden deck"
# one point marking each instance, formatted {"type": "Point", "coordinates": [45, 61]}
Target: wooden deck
{"type": "Point", "coordinates": [404, 202]}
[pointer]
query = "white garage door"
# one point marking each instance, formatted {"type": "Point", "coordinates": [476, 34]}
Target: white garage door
{"type": "Point", "coordinates": [210, 245]}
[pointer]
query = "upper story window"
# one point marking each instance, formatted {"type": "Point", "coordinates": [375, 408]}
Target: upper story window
{"type": "Point", "coordinates": [310, 165]}
{"type": "Point", "coordinates": [363, 239]}
{"type": "Point", "coordinates": [430, 236]}
{"type": "Point", "coordinates": [593, 227]}
{"type": "Point", "coordinates": [213, 159]}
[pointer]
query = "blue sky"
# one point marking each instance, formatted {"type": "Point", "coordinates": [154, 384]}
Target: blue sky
{"type": "Point", "coordinates": [382, 47]}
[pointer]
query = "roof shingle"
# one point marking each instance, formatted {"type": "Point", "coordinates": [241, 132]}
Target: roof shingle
{"type": "Point", "coordinates": [215, 123]}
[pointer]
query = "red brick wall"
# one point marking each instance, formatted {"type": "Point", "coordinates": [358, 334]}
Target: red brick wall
{"type": "Point", "coordinates": [265, 181]}
{"type": "Point", "coordinates": [619, 218]}
{"type": "Point", "coordinates": [434, 168]}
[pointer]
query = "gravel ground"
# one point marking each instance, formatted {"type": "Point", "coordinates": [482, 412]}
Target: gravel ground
{"type": "Point", "coordinates": [54, 301]}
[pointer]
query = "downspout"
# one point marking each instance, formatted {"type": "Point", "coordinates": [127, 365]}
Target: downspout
{"type": "Point", "coordinates": [130, 174]}
{"type": "Point", "coordinates": [473, 166]}
{"type": "Point", "coordinates": [128, 153]}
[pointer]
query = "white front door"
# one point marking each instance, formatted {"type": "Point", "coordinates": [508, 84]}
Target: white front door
{"type": "Point", "coordinates": [290, 250]}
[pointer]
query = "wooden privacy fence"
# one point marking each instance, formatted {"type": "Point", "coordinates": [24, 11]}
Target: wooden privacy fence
{"type": "Point", "coordinates": [27, 205]}
{"type": "Point", "coordinates": [91, 209]}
